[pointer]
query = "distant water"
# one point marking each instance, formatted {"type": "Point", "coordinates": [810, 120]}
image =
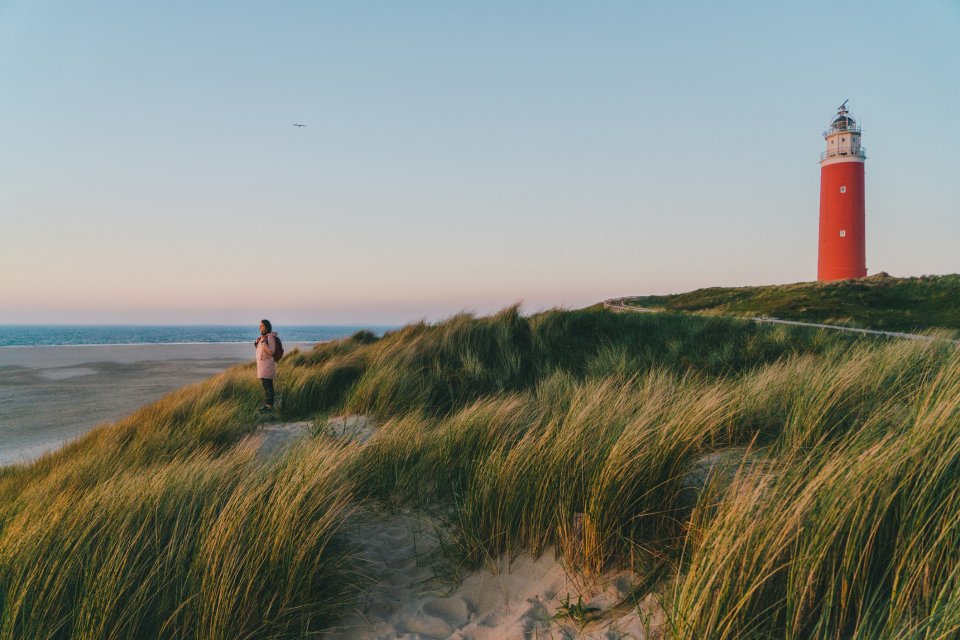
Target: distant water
{"type": "Point", "coordinates": [51, 335]}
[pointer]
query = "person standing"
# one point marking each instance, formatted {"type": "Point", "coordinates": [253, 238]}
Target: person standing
{"type": "Point", "coordinates": [266, 344]}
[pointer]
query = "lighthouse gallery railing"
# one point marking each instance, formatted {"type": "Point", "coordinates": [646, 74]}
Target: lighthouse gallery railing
{"type": "Point", "coordinates": [857, 153]}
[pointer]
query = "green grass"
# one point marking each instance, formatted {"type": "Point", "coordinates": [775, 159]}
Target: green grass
{"type": "Point", "coordinates": [877, 302]}
{"type": "Point", "coordinates": [570, 432]}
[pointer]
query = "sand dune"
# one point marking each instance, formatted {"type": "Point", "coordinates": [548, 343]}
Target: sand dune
{"type": "Point", "coordinates": [416, 593]}
{"type": "Point", "coordinates": [414, 596]}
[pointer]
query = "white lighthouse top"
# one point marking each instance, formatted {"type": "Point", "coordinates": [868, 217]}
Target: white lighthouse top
{"type": "Point", "coordinates": [843, 139]}
{"type": "Point", "coordinates": [842, 122]}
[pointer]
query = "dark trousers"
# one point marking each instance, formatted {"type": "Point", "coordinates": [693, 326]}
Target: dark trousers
{"type": "Point", "coordinates": [267, 391]}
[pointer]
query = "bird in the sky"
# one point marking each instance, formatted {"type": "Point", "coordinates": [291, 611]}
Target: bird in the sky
{"type": "Point", "coordinates": [297, 124]}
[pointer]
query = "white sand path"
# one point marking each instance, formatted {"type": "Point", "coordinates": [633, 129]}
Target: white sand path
{"type": "Point", "coordinates": [276, 436]}
{"type": "Point", "coordinates": [617, 304]}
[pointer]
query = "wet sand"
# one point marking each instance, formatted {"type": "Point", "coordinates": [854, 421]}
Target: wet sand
{"type": "Point", "coordinates": [50, 395]}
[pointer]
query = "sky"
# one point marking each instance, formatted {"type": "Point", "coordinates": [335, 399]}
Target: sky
{"type": "Point", "coordinates": [457, 156]}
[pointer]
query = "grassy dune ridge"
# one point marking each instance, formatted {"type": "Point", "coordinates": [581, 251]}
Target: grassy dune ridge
{"type": "Point", "coordinates": [878, 302]}
{"type": "Point", "coordinates": [571, 430]}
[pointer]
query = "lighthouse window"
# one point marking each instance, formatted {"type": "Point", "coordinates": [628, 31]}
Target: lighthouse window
{"type": "Point", "coordinates": [843, 189]}
{"type": "Point", "coordinates": [843, 233]}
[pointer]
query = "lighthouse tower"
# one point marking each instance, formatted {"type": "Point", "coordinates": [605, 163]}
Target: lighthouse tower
{"type": "Point", "coordinates": [842, 251]}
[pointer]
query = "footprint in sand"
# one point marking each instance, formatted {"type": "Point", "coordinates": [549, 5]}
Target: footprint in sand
{"type": "Point", "coordinates": [428, 627]}
{"type": "Point", "coordinates": [454, 611]}
{"type": "Point", "coordinates": [438, 618]}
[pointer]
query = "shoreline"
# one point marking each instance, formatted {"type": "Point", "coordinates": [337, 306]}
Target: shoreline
{"type": "Point", "coordinates": [49, 397]}
{"type": "Point", "coordinates": [53, 356]}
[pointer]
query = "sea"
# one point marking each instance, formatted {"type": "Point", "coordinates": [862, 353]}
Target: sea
{"type": "Point", "coordinates": [53, 335]}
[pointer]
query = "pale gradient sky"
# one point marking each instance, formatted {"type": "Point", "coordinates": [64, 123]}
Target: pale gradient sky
{"type": "Point", "coordinates": [457, 155]}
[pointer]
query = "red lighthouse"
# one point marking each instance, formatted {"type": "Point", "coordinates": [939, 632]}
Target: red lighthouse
{"type": "Point", "coordinates": [842, 251]}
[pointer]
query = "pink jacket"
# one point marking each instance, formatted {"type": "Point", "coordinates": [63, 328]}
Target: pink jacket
{"type": "Point", "coordinates": [266, 366]}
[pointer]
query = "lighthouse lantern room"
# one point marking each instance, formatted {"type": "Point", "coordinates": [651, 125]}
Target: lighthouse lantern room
{"type": "Point", "coordinates": [842, 247]}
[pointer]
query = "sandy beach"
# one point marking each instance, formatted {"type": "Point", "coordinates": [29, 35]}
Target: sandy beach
{"type": "Point", "coordinates": [50, 395]}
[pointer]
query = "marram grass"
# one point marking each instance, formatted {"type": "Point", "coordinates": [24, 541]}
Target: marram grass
{"type": "Point", "coordinates": [207, 547]}
{"type": "Point", "coordinates": [854, 536]}
{"type": "Point", "coordinates": [576, 433]}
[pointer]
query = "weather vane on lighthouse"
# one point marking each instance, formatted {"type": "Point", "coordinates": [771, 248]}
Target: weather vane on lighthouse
{"type": "Point", "coordinates": [842, 248]}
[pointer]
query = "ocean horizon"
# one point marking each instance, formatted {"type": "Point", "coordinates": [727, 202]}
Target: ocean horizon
{"type": "Point", "coordinates": [43, 335]}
